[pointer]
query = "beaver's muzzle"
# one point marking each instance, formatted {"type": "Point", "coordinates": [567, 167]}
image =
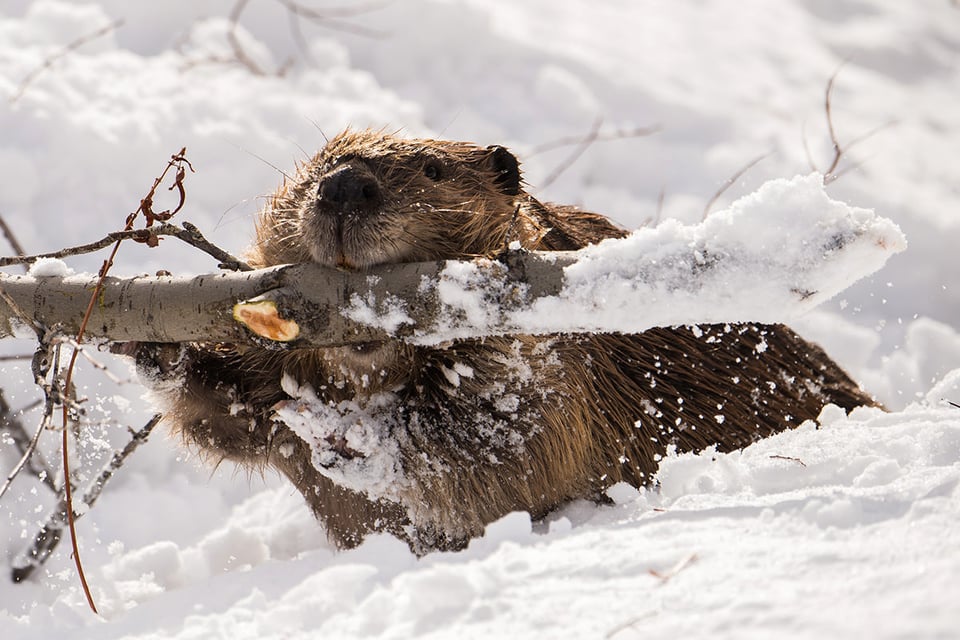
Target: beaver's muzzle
{"type": "Point", "coordinates": [349, 188]}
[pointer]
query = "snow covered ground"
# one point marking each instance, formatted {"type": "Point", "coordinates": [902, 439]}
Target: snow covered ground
{"type": "Point", "coordinates": [847, 530]}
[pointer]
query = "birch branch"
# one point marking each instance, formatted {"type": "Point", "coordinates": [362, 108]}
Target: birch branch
{"type": "Point", "coordinates": [769, 258]}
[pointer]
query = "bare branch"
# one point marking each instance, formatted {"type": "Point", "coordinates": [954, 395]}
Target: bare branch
{"type": "Point", "coordinates": [238, 51]}
{"type": "Point", "coordinates": [45, 359]}
{"type": "Point", "coordinates": [404, 301]}
{"type": "Point", "coordinates": [683, 563]}
{"type": "Point", "coordinates": [26, 445]}
{"type": "Point", "coordinates": [119, 458]}
{"type": "Point", "coordinates": [797, 460]}
{"type": "Point", "coordinates": [72, 46]}
{"type": "Point", "coordinates": [601, 136]}
{"type": "Point", "coordinates": [332, 18]}
{"type": "Point", "coordinates": [833, 172]}
{"type": "Point", "coordinates": [732, 179]}
{"type": "Point", "coordinates": [837, 149]}
{"type": "Point", "coordinates": [583, 143]}
{"type": "Point", "coordinates": [11, 237]}
{"type": "Point", "coordinates": [48, 537]}
{"type": "Point", "coordinates": [189, 234]}
{"type": "Point", "coordinates": [581, 147]}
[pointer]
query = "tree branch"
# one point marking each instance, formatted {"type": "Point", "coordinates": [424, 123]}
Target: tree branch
{"type": "Point", "coordinates": [72, 46]}
{"type": "Point", "coordinates": [48, 537]}
{"type": "Point", "coordinates": [648, 279]}
{"type": "Point", "coordinates": [189, 234]}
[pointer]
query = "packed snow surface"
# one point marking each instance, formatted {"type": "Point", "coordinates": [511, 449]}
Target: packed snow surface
{"type": "Point", "coordinates": [844, 528]}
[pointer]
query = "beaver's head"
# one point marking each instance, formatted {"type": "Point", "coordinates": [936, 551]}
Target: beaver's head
{"type": "Point", "coordinates": [369, 198]}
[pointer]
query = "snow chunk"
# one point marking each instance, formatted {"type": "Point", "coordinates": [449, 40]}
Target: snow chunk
{"type": "Point", "coordinates": [770, 257]}
{"type": "Point", "coordinates": [622, 493]}
{"type": "Point", "coordinates": [49, 268]}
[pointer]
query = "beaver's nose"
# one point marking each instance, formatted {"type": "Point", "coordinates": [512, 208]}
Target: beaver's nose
{"type": "Point", "coordinates": [349, 188]}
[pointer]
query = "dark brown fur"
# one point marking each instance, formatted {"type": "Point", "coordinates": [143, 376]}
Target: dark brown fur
{"type": "Point", "coordinates": [532, 422]}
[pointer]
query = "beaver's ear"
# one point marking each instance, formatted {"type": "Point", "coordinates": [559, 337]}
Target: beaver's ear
{"type": "Point", "coordinates": [505, 167]}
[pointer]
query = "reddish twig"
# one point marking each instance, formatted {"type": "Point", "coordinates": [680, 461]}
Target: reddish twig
{"type": "Point", "coordinates": [176, 161]}
{"type": "Point", "coordinates": [684, 562]}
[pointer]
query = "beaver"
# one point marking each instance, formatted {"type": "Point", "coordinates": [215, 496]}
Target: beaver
{"type": "Point", "coordinates": [474, 428]}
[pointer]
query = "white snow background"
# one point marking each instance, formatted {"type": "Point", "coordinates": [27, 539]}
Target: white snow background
{"type": "Point", "coordinates": [860, 540]}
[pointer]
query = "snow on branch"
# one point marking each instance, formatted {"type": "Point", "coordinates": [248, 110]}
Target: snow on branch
{"type": "Point", "coordinates": [770, 257]}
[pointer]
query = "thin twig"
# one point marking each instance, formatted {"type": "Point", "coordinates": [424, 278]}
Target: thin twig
{"type": "Point", "coordinates": [46, 353]}
{"type": "Point", "coordinates": [332, 18]}
{"type": "Point", "coordinates": [731, 180]}
{"type": "Point", "coordinates": [797, 460]}
{"type": "Point", "coordinates": [623, 626]}
{"type": "Point", "coordinates": [11, 237]}
{"type": "Point", "coordinates": [72, 46]}
{"type": "Point", "coordinates": [177, 162]}
{"type": "Point", "coordinates": [20, 357]}
{"type": "Point", "coordinates": [28, 448]}
{"type": "Point", "coordinates": [581, 147]}
{"type": "Point", "coordinates": [665, 576]}
{"type": "Point", "coordinates": [189, 234]}
{"type": "Point", "coordinates": [618, 134]}
{"type": "Point", "coordinates": [93, 362]}
{"type": "Point", "coordinates": [26, 445]}
{"type": "Point", "coordinates": [837, 149]}
{"type": "Point", "coordinates": [238, 51]}
{"type": "Point", "coordinates": [137, 439]}
{"type": "Point", "coordinates": [583, 143]}
{"type": "Point", "coordinates": [50, 534]}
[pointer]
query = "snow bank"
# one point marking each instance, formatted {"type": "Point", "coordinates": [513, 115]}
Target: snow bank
{"type": "Point", "coordinates": [781, 538]}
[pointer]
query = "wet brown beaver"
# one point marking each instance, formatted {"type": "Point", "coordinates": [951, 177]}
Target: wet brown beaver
{"type": "Point", "coordinates": [474, 429]}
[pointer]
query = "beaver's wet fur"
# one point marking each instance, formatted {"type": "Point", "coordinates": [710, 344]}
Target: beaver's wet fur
{"type": "Point", "coordinates": [524, 423]}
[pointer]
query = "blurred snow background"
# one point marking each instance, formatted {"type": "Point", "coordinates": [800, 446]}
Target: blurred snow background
{"type": "Point", "coordinates": [860, 541]}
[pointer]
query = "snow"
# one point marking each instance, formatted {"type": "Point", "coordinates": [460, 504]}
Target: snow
{"type": "Point", "coordinates": [49, 267]}
{"type": "Point", "coordinates": [848, 529]}
{"type": "Point", "coordinates": [771, 257]}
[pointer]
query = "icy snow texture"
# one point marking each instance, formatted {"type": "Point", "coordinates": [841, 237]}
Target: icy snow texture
{"type": "Point", "coordinates": [859, 541]}
{"type": "Point", "coordinates": [770, 257]}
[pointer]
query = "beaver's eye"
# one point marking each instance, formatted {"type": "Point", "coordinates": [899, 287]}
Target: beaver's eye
{"type": "Point", "coordinates": [432, 170]}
